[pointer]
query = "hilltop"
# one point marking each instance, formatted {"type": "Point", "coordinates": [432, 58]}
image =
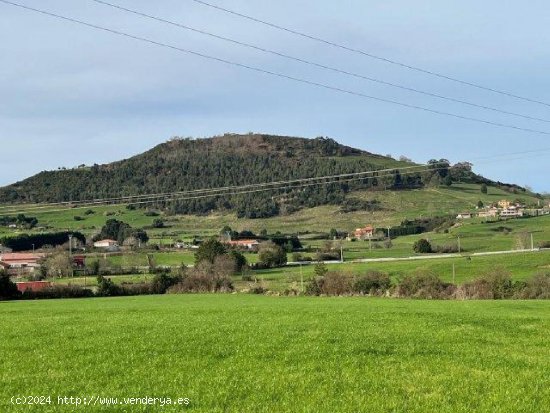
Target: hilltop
{"type": "Point", "coordinates": [231, 160]}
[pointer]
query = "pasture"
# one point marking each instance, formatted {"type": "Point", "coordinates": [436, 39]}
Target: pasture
{"type": "Point", "coordinates": [245, 353]}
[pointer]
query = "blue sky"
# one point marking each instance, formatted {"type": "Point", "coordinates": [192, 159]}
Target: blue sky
{"type": "Point", "coordinates": [73, 95]}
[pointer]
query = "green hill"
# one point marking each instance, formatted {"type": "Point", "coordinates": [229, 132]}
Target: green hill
{"type": "Point", "coordinates": [234, 160]}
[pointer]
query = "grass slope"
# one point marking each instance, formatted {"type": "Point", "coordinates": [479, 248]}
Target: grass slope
{"type": "Point", "coordinates": [242, 353]}
{"type": "Point", "coordinates": [398, 205]}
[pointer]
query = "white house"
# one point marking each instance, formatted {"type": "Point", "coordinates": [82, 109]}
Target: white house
{"type": "Point", "coordinates": [105, 243]}
{"type": "Point", "coordinates": [464, 215]}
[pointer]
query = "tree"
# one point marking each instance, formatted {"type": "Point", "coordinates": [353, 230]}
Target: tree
{"type": "Point", "coordinates": [271, 255]}
{"type": "Point", "coordinates": [422, 246]}
{"type": "Point", "coordinates": [59, 264]}
{"type": "Point", "coordinates": [209, 250]}
{"type": "Point", "coordinates": [484, 189]}
{"type": "Point", "coordinates": [8, 289]}
{"type": "Point", "coordinates": [240, 260]}
{"type": "Point", "coordinates": [320, 269]}
{"type": "Point", "coordinates": [448, 181]}
{"type": "Point", "coordinates": [480, 204]}
{"type": "Point", "coordinates": [333, 234]}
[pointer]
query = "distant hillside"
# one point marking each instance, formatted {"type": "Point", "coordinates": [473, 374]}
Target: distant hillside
{"type": "Point", "coordinates": [187, 164]}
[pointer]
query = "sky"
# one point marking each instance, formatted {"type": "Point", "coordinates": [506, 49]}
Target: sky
{"type": "Point", "coordinates": [72, 95]}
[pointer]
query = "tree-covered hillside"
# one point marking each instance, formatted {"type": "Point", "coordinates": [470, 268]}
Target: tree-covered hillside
{"type": "Point", "coordinates": [229, 160]}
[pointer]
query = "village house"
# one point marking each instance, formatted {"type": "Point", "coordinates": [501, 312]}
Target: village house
{"type": "Point", "coordinates": [504, 203]}
{"type": "Point", "coordinates": [511, 212]}
{"type": "Point", "coordinates": [250, 244]}
{"type": "Point", "coordinates": [20, 262]}
{"type": "Point", "coordinates": [363, 233]}
{"type": "Point", "coordinates": [488, 213]}
{"type": "Point", "coordinates": [106, 243]}
{"type": "Point", "coordinates": [464, 215]}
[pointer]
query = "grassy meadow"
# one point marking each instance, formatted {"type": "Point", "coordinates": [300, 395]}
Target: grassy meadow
{"type": "Point", "coordinates": [246, 353]}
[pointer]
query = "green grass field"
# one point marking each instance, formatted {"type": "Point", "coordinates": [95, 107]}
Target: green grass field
{"type": "Point", "coordinates": [245, 353]}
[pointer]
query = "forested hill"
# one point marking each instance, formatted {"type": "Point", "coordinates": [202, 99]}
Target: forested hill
{"type": "Point", "coordinates": [187, 164]}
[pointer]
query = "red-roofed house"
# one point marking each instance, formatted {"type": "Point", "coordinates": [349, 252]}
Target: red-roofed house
{"type": "Point", "coordinates": [22, 261]}
{"type": "Point", "coordinates": [250, 244]}
{"type": "Point", "coordinates": [363, 233]}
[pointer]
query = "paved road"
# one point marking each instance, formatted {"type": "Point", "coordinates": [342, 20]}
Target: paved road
{"type": "Point", "coordinates": [422, 257]}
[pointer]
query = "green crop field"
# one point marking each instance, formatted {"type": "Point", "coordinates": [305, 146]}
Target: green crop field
{"type": "Point", "coordinates": [245, 353]}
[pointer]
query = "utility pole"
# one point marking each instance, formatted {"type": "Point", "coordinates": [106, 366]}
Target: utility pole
{"type": "Point", "coordinates": [389, 236]}
{"type": "Point", "coordinates": [341, 253]}
{"type": "Point", "coordinates": [454, 272]}
{"type": "Point", "coordinates": [301, 278]}
{"type": "Point", "coordinates": [71, 254]}
{"type": "Point", "coordinates": [532, 243]}
{"type": "Point", "coordinates": [33, 248]}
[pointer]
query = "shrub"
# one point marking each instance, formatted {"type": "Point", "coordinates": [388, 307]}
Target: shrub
{"type": "Point", "coordinates": [315, 286]}
{"type": "Point", "coordinates": [373, 283]}
{"type": "Point", "coordinates": [58, 291]}
{"type": "Point", "coordinates": [78, 218]}
{"type": "Point", "coordinates": [537, 287]}
{"type": "Point", "coordinates": [336, 283]}
{"type": "Point", "coordinates": [258, 289]}
{"type": "Point", "coordinates": [271, 255]}
{"type": "Point", "coordinates": [107, 288]}
{"type": "Point", "coordinates": [327, 256]}
{"type": "Point", "coordinates": [446, 249]}
{"type": "Point", "coordinates": [495, 284]}
{"type": "Point", "coordinates": [424, 285]}
{"type": "Point", "coordinates": [162, 282]}
{"type": "Point", "coordinates": [158, 223]}
{"type": "Point", "coordinates": [422, 246]}
{"type": "Point", "coordinates": [544, 244]}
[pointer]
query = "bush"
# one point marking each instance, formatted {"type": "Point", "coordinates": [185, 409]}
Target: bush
{"type": "Point", "coordinates": [271, 255]}
{"type": "Point", "coordinates": [315, 286]}
{"type": "Point", "coordinates": [537, 287]}
{"type": "Point", "coordinates": [208, 277]}
{"type": "Point", "coordinates": [446, 249]}
{"type": "Point", "coordinates": [58, 291]}
{"type": "Point", "coordinates": [495, 284]}
{"type": "Point", "coordinates": [424, 285]}
{"type": "Point", "coordinates": [422, 246]}
{"type": "Point", "coordinates": [373, 283]}
{"type": "Point", "coordinates": [544, 244]}
{"type": "Point", "coordinates": [336, 283]}
{"type": "Point", "coordinates": [162, 282]}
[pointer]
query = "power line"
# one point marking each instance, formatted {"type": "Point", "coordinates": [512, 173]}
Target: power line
{"type": "Point", "coordinates": [221, 190]}
{"type": "Point", "coordinates": [318, 65]}
{"type": "Point", "coordinates": [170, 198]}
{"type": "Point", "coordinates": [373, 56]}
{"type": "Point", "coordinates": [278, 74]}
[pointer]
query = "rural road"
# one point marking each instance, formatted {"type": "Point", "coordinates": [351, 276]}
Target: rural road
{"type": "Point", "coordinates": [421, 257]}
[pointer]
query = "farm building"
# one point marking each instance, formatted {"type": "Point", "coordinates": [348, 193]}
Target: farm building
{"type": "Point", "coordinates": [363, 233]}
{"type": "Point", "coordinates": [250, 244]}
{"type": "Point", "coordinates": [33, 285]}
{"type": "Point", "coordinates": [464, 215]}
